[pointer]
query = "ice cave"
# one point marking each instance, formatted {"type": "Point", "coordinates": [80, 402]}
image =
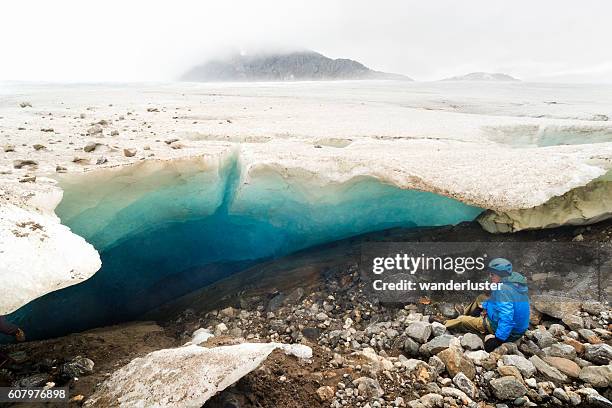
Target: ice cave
{"type": "Point", "coordinates": [163, 230]}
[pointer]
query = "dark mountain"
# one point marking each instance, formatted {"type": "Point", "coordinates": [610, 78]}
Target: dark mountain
{"type": "Point", "coordinates": [293, 66]}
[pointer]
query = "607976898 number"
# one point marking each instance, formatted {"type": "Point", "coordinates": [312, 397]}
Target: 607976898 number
{"type": "Point", "coordinates": [36, 394]}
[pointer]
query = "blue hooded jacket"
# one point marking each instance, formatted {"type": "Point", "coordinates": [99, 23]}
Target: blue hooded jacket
{"type": "Point", "coordinates": [508, 308]}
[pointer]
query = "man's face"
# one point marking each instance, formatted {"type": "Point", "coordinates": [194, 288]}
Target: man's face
{"type": "Point", "coordinates": [494, 278]}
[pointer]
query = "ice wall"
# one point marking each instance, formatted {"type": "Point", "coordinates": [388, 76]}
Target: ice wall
{"type": "Point", "coordinates": [165, 228]}
{"type": "Point", "coordinates": [581, 206]}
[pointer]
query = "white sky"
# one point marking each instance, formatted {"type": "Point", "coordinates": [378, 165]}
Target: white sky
{"type": "Point", "coordinates": [133, 40]}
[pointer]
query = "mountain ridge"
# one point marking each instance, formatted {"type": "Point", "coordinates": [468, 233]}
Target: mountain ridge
{"type": "Point", "coordinates": [290, 66]}
{"type": "Point", "coordinates": [483, 76]}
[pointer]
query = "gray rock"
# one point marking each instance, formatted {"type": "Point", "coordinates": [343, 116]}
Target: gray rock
{"type": "Point", "coordinates": [556, 330]}
{"type": "Point", "coordinates": [294, 297]}
{"type": "Point", "coordinates": [573, 322]}
{"type": "Point", "coordinates": [18, 164]}
{"type": "Point", "coordinates": [556, 306]}
{"type": "Point", "coordinates": [465, 385]}
{"type": "Point", "coordinates": [420, 331]}
{"type": "Point", "coordinates": [598, 353]}
{"type": "Point", "coordinates": [575, 399]}
{"type": "Point", "coordinates": [543, 338]}
{"type": "Point", "coordinates": [525, 366]}
{"type": "Point", "coordinates": [369, 386]}
{"type": "Point", "coordinates": [311, 333]}
{"type": "Point", "coordinates": [529, 347]}
{"type": "Point", "coordinates": [548, 372]}
{"type": "Point", "coordinates": [561, 395]}
{"type": "Point", "coordinates": [77, 367]}
{"type": "Point", "coordinates": [472, 342]}
{"type": "Point", "coordinates": [589, 335]}
{"type": "Point", "coordinates": [456, 394]}
{"type": "Point", "coordinates": [593, 307]}
{"type": "Point", "coordinates": [411, 347]}
{"type": "Point", "coordinates": [94, 130]}
{"type": "Point", "coordinates": [432, 400]}
{"type": "Point", "coordinates": [560, 350]}
{"type": "Point", "coordinates": [507, 388]}
{"type": "Point", "coordinates": [447, 310]}
{"type": "Point", "coordinates": [437, 364]}
{"type": "Point", "coordinates": [275, 303]}
{"type": "Point", "coordinates": [90, 147]}
{"type": "Point", "coordinates": [597, 401]}
{"type": "Point", "coordinates": [600, 377]}
{"type": "Point", "coordinates": [437, 344]}
{"type": "Point", "coordinates": [36, 380]}
{"type": "Point", "coordinates": [437, 329]}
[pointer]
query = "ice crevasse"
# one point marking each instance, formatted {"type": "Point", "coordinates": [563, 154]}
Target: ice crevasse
{"type": "Point", "coordinates": [166, 227]}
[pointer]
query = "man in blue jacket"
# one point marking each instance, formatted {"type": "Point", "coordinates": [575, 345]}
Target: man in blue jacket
{"type": "Point", "coordinates": [505, 313]}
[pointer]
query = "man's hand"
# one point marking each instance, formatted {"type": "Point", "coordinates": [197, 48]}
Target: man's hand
{"type": "Point", "coordinates": [492, 343]}
{"type": "Point", "coordinates": [20, 335]}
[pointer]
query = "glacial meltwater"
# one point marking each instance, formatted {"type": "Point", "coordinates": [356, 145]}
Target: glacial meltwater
{"type": "Point", "coordinates": [164, 229]}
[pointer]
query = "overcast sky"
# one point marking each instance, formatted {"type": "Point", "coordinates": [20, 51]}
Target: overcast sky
{"type": "Point", "coordinates": [131, 40]}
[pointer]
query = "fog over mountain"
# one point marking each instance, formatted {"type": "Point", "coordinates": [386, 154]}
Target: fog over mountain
{"type": "Point", "coordinates": [283, 66]}
{"type": "Point", "coordinates": [482, 76]}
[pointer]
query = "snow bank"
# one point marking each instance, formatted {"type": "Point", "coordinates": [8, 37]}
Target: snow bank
{"type": "Point", "coordinates": [184, 377]}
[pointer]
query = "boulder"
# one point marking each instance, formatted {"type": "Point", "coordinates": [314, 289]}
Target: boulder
{"type": "Point", "coordinates": [507, 388]}
{"type": "Point", "coordinates": [419, 370]}
{"type": "Point", "coordinates": [543, 338]}
{"type": "Point", "coordinates": [465, 384]}
{"type": "Point", "coordinates": [77, 367]}
{"type": "Point", "coordinates": [578, 346]}
{"type": "Point", "coordinates": [456, 394]}
{"type": "Point", "coordinates": [600, 377]}
{"type": "Point", "coordinates": [593, 307]}
{"type": "Point", "coordinates": [411, 347]}
{"type": "Point", "coordinates": [432, 400]}
{"type": "Point", "coordinates": [548, 372]}
{"type": "Point", "coordinates": [560, 350]}
{"type": "Point", "coordinates": [573, 322]}
{"type": "Point", "coordinates": [437, 329]}
{"type": "Point", "coordinates": [590, 336]}
{"type": "Point", "coordinates": [525, 366]}
{"type": "Point", "coordinates": [437, 344]}
{"type": "Point", "coordinates": [566, 366]}
{"type": "Point", "coordinates": [420, 331]}
{"type": "Point", "coordinates": [505, 371]}
{"type": "Point", "coordinates": [598, 353]}
{"type": "Point", "coordinates": [369, 387]}
{"type": "Point", "coordinates": [472, 342]}
{"type": "Point", "coordinates": [455, 362]}
{"type": "Point", "coordinates": [556, 306]}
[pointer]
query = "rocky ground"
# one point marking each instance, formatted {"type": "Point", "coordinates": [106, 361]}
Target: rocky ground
{"type": "Point", "coordinates": [365, 354]}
